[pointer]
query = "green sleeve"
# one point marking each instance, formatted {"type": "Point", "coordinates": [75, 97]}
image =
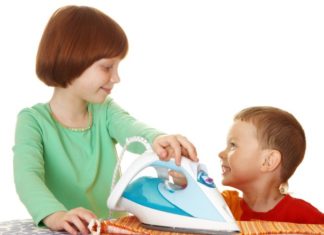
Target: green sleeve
{"type": "Point", "coordinates": [121, 125]}
{"type": "Point", "coordinates": [29, 172]}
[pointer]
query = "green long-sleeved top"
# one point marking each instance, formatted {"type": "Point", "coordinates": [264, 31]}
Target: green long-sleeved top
{"type": "Point", "coordinates": [56, 168]}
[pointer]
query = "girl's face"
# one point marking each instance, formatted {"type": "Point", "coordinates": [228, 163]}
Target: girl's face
{"type": "Point", "coordinates": [241, 158]}
{"type": "Point", "coordinates": [97, 81]}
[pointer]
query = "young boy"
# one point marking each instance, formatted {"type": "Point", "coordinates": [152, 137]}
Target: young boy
{"type": "Point", "coordinates": [265, 145]}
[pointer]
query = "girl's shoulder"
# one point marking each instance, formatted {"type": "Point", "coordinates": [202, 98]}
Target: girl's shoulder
{"type": "Point", "coordinates": [108, 108]}
{"type": "Point", "coordinates": [102, 106]}
{"type": "Point", "coordinates": [36, 117]}
{"type": "Point", "coordinates": [39, 110]}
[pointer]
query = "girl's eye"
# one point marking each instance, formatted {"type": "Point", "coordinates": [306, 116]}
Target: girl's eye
{"type": "Point", "coordinates": [107, 68]}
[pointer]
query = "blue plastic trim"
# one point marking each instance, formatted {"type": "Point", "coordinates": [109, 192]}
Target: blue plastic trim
{"type": "Point", "coordinates": [191, 201]}
{"type": "Point", "coordinates": [205, 179]}
{"type": "Point", "coordinates": [144, 191]}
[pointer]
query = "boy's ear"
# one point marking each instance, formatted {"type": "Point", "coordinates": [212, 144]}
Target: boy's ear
{"type": "Point", "coordinates": [271, 160]}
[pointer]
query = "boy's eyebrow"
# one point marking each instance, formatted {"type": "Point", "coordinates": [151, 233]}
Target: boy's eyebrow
{"type": "Point", "coordinates": [233, 139]}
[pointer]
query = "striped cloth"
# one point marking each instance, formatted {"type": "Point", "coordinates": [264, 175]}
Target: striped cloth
{"type": "Point", "coordinates": [133, 225]}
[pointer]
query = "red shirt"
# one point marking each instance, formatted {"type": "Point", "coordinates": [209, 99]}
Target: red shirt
{"type": "Point", "coordinates": [289, 209]}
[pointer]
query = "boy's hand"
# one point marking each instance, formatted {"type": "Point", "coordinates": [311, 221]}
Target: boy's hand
{"type": "Point", "coordinates": [74, 221]}
{"type": "Point", "coordinates": [167, 146]}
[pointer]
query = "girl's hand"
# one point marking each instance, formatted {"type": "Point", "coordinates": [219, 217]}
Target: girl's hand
{"type": "Point", "coordinates": [73, 221]}
{"type": "Point", "coordinates": [167, 146]}
{"type": "Point", "coordinates": [178, 178]}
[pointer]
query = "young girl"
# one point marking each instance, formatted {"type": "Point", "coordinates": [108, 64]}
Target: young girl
{"type": "Point", "coordinates": [64, 152]}
{"type": "Point", "coordinates": [265, 145]}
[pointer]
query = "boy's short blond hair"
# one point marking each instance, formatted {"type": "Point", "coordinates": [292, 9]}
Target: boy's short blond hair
{"type": "Point", "coordinates": [278, 129]}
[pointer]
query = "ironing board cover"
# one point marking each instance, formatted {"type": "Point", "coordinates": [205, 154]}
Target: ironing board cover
{"type": "Point", "coordinates": [133, 226]}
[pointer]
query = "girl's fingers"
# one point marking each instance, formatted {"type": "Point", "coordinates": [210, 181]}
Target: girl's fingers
{"type": "Point", "coordinates": [188, 149]}
{"type": "Point", "coordinates": [77, 219]}
{"type": "Point", "coordinates": [79, 224]}
{"type": "Point", "coordinates": [69, 228]}
{"type": "Point", "coordinates": [86, 215]}
{"type": "Point", "coordinates": [176, 146]}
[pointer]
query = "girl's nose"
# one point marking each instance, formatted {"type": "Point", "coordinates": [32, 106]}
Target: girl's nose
{"type": "Point", "coordinates": [115, 78]}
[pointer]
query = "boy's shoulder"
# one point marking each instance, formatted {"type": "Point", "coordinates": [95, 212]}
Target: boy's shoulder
{"type": "Point", "coordinates": [299, 203]}
{"type": "Point", "coordinates": [231, 194]}
{"type": "Point", "coordinates": [299, 211]}
{"type": "Point", "coordinates": [233, 200]}
{"type": "Point", "coordinates": [232, 197]}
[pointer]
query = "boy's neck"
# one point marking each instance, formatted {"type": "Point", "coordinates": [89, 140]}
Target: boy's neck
{"type": "Point", "coordinates": [263, 200]}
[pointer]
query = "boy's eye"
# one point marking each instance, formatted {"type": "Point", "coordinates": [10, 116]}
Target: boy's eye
{"type": "Point", "coordinates": [232, 145]}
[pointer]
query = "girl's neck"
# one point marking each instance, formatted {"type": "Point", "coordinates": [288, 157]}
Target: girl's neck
{"type": "Point", "coordinates": [68, 110]}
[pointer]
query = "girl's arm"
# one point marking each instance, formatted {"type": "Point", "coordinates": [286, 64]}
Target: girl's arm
{"type": "Point", "coordinates": [121, 126]}
{"type": "Point", "coordinates": [29, 172]}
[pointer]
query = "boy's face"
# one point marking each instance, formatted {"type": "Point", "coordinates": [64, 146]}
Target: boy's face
{"type": "Point", "coordinates": [241, 159]}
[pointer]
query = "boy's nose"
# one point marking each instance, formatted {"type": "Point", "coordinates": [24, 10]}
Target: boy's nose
{"type": "Point", "coordinates": [222, 154]}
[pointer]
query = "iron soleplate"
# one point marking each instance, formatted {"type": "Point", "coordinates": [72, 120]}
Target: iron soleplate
{"type": "Point", "coordinates": [187, 230]}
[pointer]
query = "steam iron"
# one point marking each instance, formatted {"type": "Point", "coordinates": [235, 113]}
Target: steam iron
{"type": "Point", "coordinates": [162, 205]}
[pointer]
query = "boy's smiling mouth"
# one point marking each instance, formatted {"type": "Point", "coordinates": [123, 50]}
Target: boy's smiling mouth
{"type": "Point", "coordinates": [225, 169]}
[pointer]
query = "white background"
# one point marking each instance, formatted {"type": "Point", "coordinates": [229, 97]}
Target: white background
{"type": "Point", "coordinates": [191, 66]}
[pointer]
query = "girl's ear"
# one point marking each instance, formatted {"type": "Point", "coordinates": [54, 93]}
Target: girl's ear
{"type": "Point", "coordinates": [271, 160]}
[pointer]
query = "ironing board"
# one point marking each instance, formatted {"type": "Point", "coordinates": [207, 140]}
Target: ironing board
{"type": "Point", "coordinates": [132, 224]}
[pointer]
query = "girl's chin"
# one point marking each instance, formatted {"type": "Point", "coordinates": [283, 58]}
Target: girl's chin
{"type": "Point", "coordinates": [99, 100]}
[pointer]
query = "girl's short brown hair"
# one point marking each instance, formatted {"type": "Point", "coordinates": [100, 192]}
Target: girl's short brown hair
{"type": "Point", "coordinates": [74, 38]}
{"type": "Point", "coordinates": [280, 130]}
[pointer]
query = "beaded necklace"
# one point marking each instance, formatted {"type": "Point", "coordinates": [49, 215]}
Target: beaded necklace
{"type": "Point", "coordinates": [76, 129]}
